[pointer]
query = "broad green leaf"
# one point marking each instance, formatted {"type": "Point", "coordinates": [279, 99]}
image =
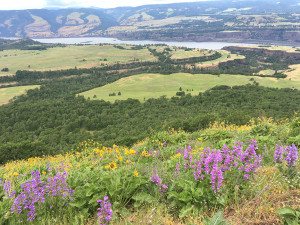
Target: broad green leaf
{"type": "Point", "coordinates": [144, 197]}
{"type": "Point", "coordinates": [286, 211]}
{"type": "Point", "coordinates": [217, 218]}
{"type": "Point", "coordinates": [78, 203]}
{"type": "Point", "coordinates": [185, 197]}
{"type": "Point", "coordinates": [185, 211]}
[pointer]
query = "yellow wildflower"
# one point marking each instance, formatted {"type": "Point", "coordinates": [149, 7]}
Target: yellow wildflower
{"type": "Point", "coordinates": [112, 165]}
{"type": "Point", "coordinates": [120, 159]}
{"type": "Point", "coordinates": [16, 174]}
{"type": "Point", "coordinates": [136, 173]}
{"type": "Point", "coordinates": [129, 152]}
{"type": "Point", "coordinates": [144, 153]}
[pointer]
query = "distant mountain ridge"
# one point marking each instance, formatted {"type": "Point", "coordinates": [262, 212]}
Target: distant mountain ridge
{"type": "Point", "coordinates": [197, 21]}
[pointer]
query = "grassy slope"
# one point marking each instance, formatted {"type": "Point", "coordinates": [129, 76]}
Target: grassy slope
{"type": "Point", "coordinates": [8, 93]}
{"type": "Point", "coordinates": [156, 85]}
{"type": "Point", "coordinates": [68, 57]}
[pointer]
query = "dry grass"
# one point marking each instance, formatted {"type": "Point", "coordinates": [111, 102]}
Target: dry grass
{"type": "Point", "coordinates": [294, 73]}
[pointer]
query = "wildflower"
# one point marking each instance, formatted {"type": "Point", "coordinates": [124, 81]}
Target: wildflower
{"type": "Point", "coordinates": [16, 174]}
{"type": "Point", "coordinates": [129, 152]}
{"type": "Point", "coordinates": [113, 165]}
{"type": "Point", "coordinates": [289, 154]}
{"type": "Point", "coordinates": [34, 192]}
{"type": "Point", "coordinates": [104, 212]}
{"type": "Point", "coordinates": [157, 180]}
{"type": "Point", "coordinates": [144, 153]}
{"type": "Point", "coordinates": [120, 159]}
{"type": "Point", "coordinates": [136, 173]}
{"type": "Point", "coordinates": [177, 170]}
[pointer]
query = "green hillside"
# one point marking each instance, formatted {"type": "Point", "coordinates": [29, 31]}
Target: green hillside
{"type": "Point", "coordinates": [145, 86]}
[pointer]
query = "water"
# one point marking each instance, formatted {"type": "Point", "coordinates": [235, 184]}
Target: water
{"type": "Point", "coordinates": [101, 40]}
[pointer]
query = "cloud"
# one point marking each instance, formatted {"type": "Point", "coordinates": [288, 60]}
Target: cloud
{"type": "Point", "coordinates": [21, 4]}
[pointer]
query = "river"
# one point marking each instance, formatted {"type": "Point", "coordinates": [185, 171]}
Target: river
{"type": "Point", "coordinates": [102, 40]}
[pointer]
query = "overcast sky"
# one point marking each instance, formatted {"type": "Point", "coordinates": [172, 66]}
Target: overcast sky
{"type": "Point", "coordinates": [37, 4]}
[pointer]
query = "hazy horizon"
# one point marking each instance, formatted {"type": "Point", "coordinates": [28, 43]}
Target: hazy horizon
{"type": "Point", "coordinates": [42, 4]}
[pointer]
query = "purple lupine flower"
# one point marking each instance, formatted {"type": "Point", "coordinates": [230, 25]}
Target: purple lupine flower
{"type": "Point", "coordinates": [177, 170]}
{"type": "Point", "coordinates": [156, 153]}
{"type": "Point", "coordinates": [104, 212]}
{"type": "Point", "coordinates": [157, 180]}
{"type": "Point", "coordinates": [34, 192]}
{"type": "Point", "coordinates": [289, 154]}
{"type": "Point", "coordinates": [213, 163]}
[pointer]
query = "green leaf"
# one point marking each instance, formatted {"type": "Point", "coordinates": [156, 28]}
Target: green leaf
{"type": "Point", "coordinates": [185, 211]}
{"type": "Point", "coordinates": [286, 211]}
{"type": "Point", "coordinates": [206, 221]}
{"type": "Point", "coordinates": [144, 197]}
{"type": "Point", "coordinates": [217, 218]}
{"type": "Point", "coordinates": [199, 192]}
{"type": "Point", "coordinates": [185, 197]}
{"type": "Point", "coordinates": [78, 203]}
{"type": "Point", "coordinates": [91, 190]}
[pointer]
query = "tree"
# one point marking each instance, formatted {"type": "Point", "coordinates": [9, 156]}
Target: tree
{"type": "Point", "coordinates": [5, 69]}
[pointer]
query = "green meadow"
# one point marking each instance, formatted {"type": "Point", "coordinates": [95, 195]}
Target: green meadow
{"type": "Point", "coordinates": [7, 94]}
{"type": "Point", "coordinates": [145, 86]}
{"type": "Point", "coordinates": [226, 56]}
{"type": "Point", "coordinates": [86, 56]}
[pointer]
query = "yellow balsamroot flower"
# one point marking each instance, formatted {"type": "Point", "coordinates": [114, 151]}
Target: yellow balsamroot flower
{"type": "Point", "coordinates": [112, 166]}
{"type": "Point", "coordinates": [120, 159]}
{"type": "Point", "coordinates": [129, 152]}
{"type": "Point", "coordinates": [144, 153]}
{"type": "Point", "coordinates": [16, 174]}
{"type": "Point", "coordinates": [136, 173]}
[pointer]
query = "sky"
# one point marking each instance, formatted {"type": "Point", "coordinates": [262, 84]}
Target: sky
{"type": "Point", "coordinates": [38, 4]}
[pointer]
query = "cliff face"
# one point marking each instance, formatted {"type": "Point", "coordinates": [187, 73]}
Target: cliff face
{"type": "Point", "coordinates": [54, 23]}
{"type": "Point", "coordinates": [200, 21]}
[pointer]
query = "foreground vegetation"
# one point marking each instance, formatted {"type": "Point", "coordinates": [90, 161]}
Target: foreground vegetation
{"type": "Point", "coordinates": [250, 172]}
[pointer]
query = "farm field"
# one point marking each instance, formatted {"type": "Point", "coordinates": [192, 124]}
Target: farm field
{"type": "Point", "coordinates": [181, 54]}
{"type": "Point", "coordinates": [294, 73]}
{"type": "Point", "coordinates": [7, 94]}
{"type": "Point", "coordinates": [278, 48]}
{"type": "Point", "coordinates": [68, 57]}
{"type": "Point", "coordinates": [226, 56]}
{"type": "Point", "coordinates": [145, 86]}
